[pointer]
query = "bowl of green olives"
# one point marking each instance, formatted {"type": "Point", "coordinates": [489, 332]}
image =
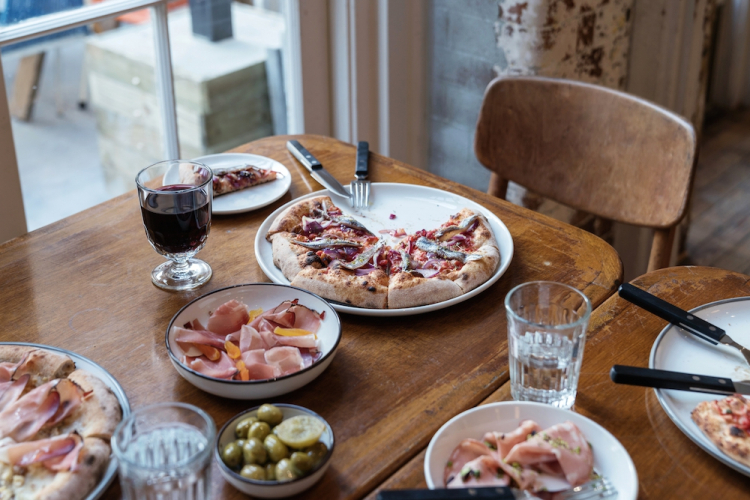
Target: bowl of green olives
{"type": "Point", "coordinates": [274, 451]}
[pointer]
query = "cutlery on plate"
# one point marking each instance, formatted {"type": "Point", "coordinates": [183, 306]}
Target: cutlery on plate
{"type": "Point", "coordinates": [663, 379]}
{"type": "Point", "coordinates": [316, 169]}
{"type": "Point", "coordinates": [678, 317]}
{"type": "Point", "coordinates": [360, 188]}
{"type": "Point", "coordinates": [597, 488]}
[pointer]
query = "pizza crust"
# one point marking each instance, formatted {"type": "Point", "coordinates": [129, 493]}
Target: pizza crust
{"type": "Point", "coordinates": [98, 414]}
{"type": "Point", "coordinates": [720, 432]}
{"type": "Point", "coordinates": [41, 365]}
{"type": "Point", "coordinates": [290, 219]}
{"type": "Point", "coordinates": [407, 290]}
{"type": "Point", "coordinates": [344, 286]}
{"type": "Point", "coordinates": [291, 258]}
{"type": "Point", "coordinates": [476, 272]}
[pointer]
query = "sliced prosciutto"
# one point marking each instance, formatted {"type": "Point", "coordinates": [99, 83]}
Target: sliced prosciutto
{"type": "Point", "coordinates": [59, 453]}
{"type": "Point", "coordinates": [11, 390]}
{"type": "Point", "coordinates": [287, 359]}
{"type": "Point", "coordinates": [482, 471]}
{"type": "Point", "coordinates": [23, 418]}
{"type": "Point", "coordinates": [228, 318]}
{"type": "Point", "coordinates": [71, 396]}
{"type": "Point", "coordinates": [202, 337]}
{"type": "Point", "coordinates": [468, 450]}
{"type": "Point", "coordinates": [224, 367]}
{"type": "Point", "coordinates": [503, 442]}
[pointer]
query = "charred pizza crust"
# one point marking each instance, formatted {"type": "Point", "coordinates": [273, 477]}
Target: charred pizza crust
{"type": "Point", "coordinates": [408, 290]}
{"type": "Point", "coordinates": [729, 438]}
{"type": "Point", "coordinates": [290, 220]}
{"type": "Point", "coordinates": [345, 286]}
{"type": "Point", "coordinates": [41, 365]}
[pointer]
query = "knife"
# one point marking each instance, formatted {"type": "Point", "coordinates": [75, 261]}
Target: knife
{"type": "Point", "coordinates": [678, 317]}
{"type": "Point", "coordinates": [494, 493]}
{"type": "Point", "coordinates": [663, 379]}
{"type": "Point", "coordinates": [316, 169]}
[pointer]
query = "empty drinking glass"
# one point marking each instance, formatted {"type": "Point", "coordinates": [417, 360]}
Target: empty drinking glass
{"type": "Point", "coordinates": [176, 198]}
{"type": "Point", "coordinates": [546, 334]}
{"type": "Point", "coordinates": [164, 452]}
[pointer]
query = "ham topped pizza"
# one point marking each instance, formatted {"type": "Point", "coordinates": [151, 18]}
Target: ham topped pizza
{"type": "Point", "coordinates": [319, 248]}
{"type": "Point", "coordinates": [55, 426]}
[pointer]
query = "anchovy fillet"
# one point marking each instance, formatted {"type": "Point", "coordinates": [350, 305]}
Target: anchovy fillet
{"type": "Point", "coordinates": [364, 257]}
{"type": "Point", "coordinates": [463, 225]}
{"type": "Point", "coordinates": [347, 221]}
{"type": "Point", "coordinates": [442, 252]}
{"type": "Point", "coordinates": [320, 244]}
{"type": "Point", "coordinates": [405, 261]}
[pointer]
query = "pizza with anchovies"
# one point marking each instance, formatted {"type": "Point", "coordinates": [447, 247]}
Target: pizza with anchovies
{"type": "Point", "coordinates": [726, 423]}
{"type": "Point", "coordinates": [55, 426]}
{"type": "Point", "coordinates": [319, 248]}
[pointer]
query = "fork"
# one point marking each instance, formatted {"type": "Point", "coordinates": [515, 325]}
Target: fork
{"type": "Point", "coordinates": [596, 489]}
{"type": "Point", "coordinates": [360, 188]}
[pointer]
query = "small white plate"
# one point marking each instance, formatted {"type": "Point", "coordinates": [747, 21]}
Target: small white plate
{"type": "Point", "coordinates": [677, 350]}
{"type": "Point", "coordinates": [611, 460]}
{"type": "Point", "coordinates": [415, 208]}
{"type": "Point", "coordinates": [247, 199]}
{"type": "Point", "coordinates": [265, 296]}
{"type": "Point", "coordinates": [117, 390]}
{"type": "Point", "coordinates": [267, 489]}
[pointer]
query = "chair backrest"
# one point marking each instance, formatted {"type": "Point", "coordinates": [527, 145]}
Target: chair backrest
{"type": "Point", "coordinates": [589, 147]}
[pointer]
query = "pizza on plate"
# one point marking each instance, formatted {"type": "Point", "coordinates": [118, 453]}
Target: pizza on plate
{"type": "Point", "coordinates": [229, 180]}
{"type": "Point", "coordinates": [319, 248]}
{"type": "Point", "coordinates": [56, 422]}
{"type": "Point", "coordinates": [726, 423]}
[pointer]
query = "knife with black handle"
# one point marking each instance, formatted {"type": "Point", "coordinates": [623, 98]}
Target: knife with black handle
{"type": "Point", "coordinates": [316, 169]}
{"type": "Point", "coordinates": [663, 379]}
{"type": "Point", "coordinates": [679, 317]}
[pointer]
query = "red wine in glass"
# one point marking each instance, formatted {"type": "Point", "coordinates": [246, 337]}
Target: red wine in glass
{"type": "Point", "coordinates": [177, 222]}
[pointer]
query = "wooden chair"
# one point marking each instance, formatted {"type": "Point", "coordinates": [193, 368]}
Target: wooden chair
{"type": "Point", "coordinates": [591, 148]}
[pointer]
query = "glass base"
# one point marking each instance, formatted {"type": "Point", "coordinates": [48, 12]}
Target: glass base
{"type": "Point", "coordinates": [172, 276]}
{"type": "Point", "coordinates": [560, 399]}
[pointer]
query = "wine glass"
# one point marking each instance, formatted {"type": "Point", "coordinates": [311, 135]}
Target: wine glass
{"type": "Point", "coordinates": [177, 219]}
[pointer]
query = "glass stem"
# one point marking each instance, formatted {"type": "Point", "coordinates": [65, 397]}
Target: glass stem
{"type": "Point", "coordinates": [180, 267]}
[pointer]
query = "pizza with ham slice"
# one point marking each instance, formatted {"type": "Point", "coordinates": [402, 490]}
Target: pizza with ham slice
{"type": "Point", "coordinates": [726, 423]}
{"type": "Point", "coordinates": [229, 180]}
{"type": "Point", "coordinates": [321, 249]}
{"type": "Point", "coordinates": [56, 422]}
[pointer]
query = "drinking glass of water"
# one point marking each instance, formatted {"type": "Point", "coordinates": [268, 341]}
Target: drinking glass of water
{"type": "Point", "coordinates": [546, 334]}
{"type": "Point", "coordinates": [177, 219]}
{"type": "Point", "coordinates": [164, 452]}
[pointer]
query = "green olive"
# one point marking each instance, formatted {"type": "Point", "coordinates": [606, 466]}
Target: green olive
{"type": "Point", "coordinates": [259, 430]}
{"type": "Point", "coordinates": [254, 452]}
{"type": "Point", "coordinates": [241, 442]}
{"type": "Point", "coordinates": [232, 455]}
{"type": "Point", "coordinates": [285, 470]}
{"type": "Point", "coordinates": [275, 448]}
{"type": "Point", "coordinates": [302, 461]}
{"type": "Point", "coordinates": [316, 452]}
{"type": "Point", "coordinates": [271, 414]}
{"type": "Point", "coordinates": [253, 472]}
{"type": "Point", "coordinates": [271, 472]}
{"type": "Point", "coordinates": [243, 426]}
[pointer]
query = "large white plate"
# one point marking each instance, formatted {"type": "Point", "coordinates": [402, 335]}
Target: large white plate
{"type": "Point", "coordinates": [415, 208]}
{"type": "Point", "coordinates": [248, 199]}
{"type": "Point", "coordinates": [611, 459]}
{"type": "Point", "coordinates": [109, 381]}
{"type": "Point", "coordinates": [677, 350]}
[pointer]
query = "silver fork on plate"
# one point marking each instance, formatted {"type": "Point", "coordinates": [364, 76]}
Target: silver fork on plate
{"type": "Point", "coordinates": [596, 489]}
{"type": "Point", "coordinates": [360, 188]}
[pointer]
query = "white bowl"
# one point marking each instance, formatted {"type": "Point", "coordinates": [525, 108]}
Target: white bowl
{"type": "Point", "coordinates": [273, 489]}
{"type": "Point", "coordinates": [265, 296]}
{"type": "Point", "coordinates": [611, 460]}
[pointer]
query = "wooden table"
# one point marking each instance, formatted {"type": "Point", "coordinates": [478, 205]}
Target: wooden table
{"type": "Point", "coordinates": [669, 464]}
{"type": "Point", "coordinates": [83, 284]}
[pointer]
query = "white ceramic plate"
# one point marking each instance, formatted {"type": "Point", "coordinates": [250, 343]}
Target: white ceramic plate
{"type": "Point", "coordinates": [265, 296]}
{"type": "Point", "coordinates": [109, 381]}
{"type": "Point", "coordinates": [415, 207]}
{"type": "Point", "coordinates": [677, 350]}
{"type": "Point", "coordinates": [248, 199]}
{"type": "Point", "coordinates": [611, 460]}
{"type": "Point", "coordinates": [263, 489]}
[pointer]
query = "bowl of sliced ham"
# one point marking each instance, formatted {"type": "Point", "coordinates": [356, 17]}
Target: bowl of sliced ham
{"type": "Point", "coordinates": [529, 446]}
{"type": "Point", "coordinates": [253, 341]}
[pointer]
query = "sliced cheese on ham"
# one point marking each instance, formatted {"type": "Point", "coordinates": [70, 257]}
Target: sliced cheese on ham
{"type": "Point", "coordinates": [59, 453]}
{"type": "Point", "coordinates": [22, 419]}
{"type": "Point", "coordinates": [224, 367]}
{"type": "Point", "coordinates": [287, 359]}
{"type": "Point", "coordinates": [11, 390]}
{"type": "Point", "coordinates": [482, 471]}
{"type": "Point", "coordinates": [228, 318]}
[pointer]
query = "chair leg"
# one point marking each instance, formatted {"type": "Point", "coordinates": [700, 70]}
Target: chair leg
{"type": "Point", "coordinates": [661, 249]}
{"type": "Point", "coordinates": [25, 86]}
{"type": "Point", "coordinates": [498, 186]}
